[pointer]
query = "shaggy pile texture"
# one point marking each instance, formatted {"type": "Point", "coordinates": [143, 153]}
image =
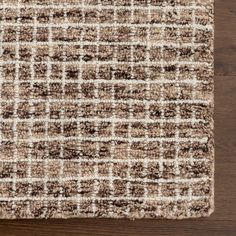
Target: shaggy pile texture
{"type": "Point", "coordinates": [106, 108]}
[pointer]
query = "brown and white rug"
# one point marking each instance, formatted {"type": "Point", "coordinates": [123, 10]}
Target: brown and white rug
{"type": "Point", "coordinates": [106, 108]}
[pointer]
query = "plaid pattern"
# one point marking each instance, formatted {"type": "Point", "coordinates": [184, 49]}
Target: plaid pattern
{"type": "Point", "coordinates": [106, 108]}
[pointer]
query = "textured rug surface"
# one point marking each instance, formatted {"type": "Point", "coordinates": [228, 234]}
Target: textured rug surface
{"type": "Point", "coordinates": [106, 108]}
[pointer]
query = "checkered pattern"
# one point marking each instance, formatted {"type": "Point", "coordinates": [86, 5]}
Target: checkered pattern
{"type": "Point", "coordinates": [106, 108]}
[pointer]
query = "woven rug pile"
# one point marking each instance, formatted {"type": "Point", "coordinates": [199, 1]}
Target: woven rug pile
{"type": "Point", "coordinates": [106, 108]}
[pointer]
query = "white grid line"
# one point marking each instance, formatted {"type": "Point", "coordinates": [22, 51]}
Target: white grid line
{"type": "Point", "coordinates": [16, 97]}
{"type": "Point", "coordinates": [162, 110]}
{"type": "Point", "coordinates": [117, 160]}
{"type": "Point", "coordinates": [6, 62]}
{"type": "Point", "coordinates": [161, 139]}
{"type": "Point", "coordinates": [177, 145]}
{"type": "Point", "coordinates": [107, 43]}
{"type": "Point", "coordinates": [193, 91]}
{"type": "Point", "coordinates": [49, 72]}
{"type": "Point", "coordinates": [103, 7]}
{"type": "Point", "coordinates": [111, 120]}
{"type": "Point", "coordinates": [31, 121]}
{"type": "Point", "coordinates": [130, 107]}
{"type": "Point", "coordinates": [117, 81]}
{"type": "Point", "coordinates": [96, 182]}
